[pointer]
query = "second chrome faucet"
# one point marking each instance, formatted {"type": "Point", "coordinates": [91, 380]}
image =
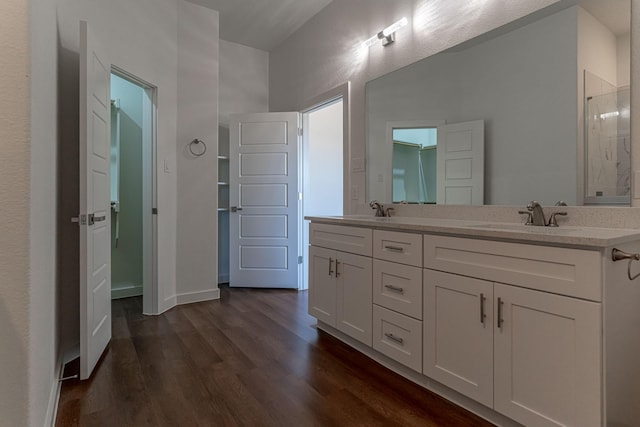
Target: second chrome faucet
{"type": "Point", "coordinates": [535, 215]}
{"type": "Point", "coordinates": [379, 208]}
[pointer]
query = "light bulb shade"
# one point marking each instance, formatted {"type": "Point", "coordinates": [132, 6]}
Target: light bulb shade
{"type": "Point", "coordinates": [370, 41]}
{"type": "Point", "coordinates": [394, 27]}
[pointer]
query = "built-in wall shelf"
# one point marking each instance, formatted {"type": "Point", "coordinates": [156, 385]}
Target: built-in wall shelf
{"type": "Point", "coordinates": [222, 183]}
{"type": "Point", "coordinates": [223, 157]}
{"type": "Point", "coordinates": [223, 209]}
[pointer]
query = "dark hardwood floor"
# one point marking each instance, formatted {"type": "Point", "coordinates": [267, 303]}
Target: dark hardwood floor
{"type": "Point", "coordinates": [252, 358]}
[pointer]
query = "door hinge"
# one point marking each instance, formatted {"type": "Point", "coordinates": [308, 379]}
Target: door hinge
{"type": "Point", "coordinates": [300, 260]}
{"type": "Point", "coordinates": [299, 131]}
{"type": "Point", "coordinates": [154, 211]}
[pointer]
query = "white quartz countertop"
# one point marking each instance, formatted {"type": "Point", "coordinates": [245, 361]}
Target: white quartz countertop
{"type": "Point", "coordinates": [586, 237]}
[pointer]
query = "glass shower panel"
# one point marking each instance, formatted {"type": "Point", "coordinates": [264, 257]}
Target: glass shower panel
{"type": "Point", "coordinates": [608, 143]}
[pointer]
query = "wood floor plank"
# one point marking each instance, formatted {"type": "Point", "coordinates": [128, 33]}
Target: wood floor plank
{"type": "Point", "coordinates": [252, 358]}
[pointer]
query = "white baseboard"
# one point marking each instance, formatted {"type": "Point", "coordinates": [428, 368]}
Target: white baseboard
{"type": "Point", "coordinates": [66, 356]}
{"type": "Point", "coordinates": [126, 291]}
{"type": "Point", "coordinates": [191, 297]}
{"type": "Point", "coordinates": [54, 394]}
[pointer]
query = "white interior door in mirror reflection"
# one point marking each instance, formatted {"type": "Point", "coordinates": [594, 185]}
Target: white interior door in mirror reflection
{"type": "Point", "coordinates": [436, 163]}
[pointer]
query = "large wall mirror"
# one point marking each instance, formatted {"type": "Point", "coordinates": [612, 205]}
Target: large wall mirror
{"type": "Point", "coordinates": [551, 92]}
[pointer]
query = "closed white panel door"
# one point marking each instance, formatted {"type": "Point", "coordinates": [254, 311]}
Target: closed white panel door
{"type": "Point", "coordinates": [458, 333]}
{"type": "Point", "coordinates": [546, 350]}
{"type": "Point", "coordinates": [95, 218]}
{"type": "Point", "coordinates": [263, 183]}
{"type": "Point", "coordinates": [460, 163]}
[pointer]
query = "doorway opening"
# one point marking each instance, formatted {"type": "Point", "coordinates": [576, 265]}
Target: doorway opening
{"type": "Point", "coordinates": [414, 165]}
{"type": "Point", "coordinates": [322, 169]}
{"type": "Point", "coordinates": [133, 194]}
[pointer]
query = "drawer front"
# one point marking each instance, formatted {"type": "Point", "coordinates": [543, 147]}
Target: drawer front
{"type": "Point", "coordinates": [353, 240]}
{"type": "Point", "coordinates": [564, 271]}
{"type": "Point", "coordinates": [405, 248]}
{"type": "Point", "coordinates": [398, 287]}
{"type": "Point", "coordinates": [398, 336]}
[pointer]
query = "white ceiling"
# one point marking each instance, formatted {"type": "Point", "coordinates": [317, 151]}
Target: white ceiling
{"type": "Point", "coordinates": [265, 24]}
{"type": "Point", "coordinates": [262, 24]}
{"type": "Point", "coordinates": [614, 14]}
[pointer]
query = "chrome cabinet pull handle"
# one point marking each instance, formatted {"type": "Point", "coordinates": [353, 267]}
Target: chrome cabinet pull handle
{"type": "Point", "coordinates": [500, 320]}
{"type": "Point", "coordinates": [394, 248]}
{"type": "Point", "coordinates": [330, 263]}
{"type": "Point", "coordinates": [482, 313]}
{"type": "Point", "coordinates": [394, 338]}
{"type": "Point", "coordinates": [394, 288]}
{"type": "Point", "coordinates": [337, 265]}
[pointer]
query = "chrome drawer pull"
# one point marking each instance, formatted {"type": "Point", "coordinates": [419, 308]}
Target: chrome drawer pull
{"type": "Point", "coordinates": [394, 338]}
{"type": "Point", "coordinates": [337, 265]}
{"type": "Point", "coordinates": [394, 288]}
{"type": "Point", "coordinates": [500, 319]}
{"type": "Point", "coordinates": [394, 248]}
{"type": "Point", "coordinates": [330, 263]}
{"type": "Point", "coordinates": [482, 313]}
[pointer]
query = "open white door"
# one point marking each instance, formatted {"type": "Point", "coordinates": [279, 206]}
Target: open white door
{"type": "Point", "coordinates": [263, 198]}
{"type": "Point", "coordinates": [460, 163]}
{"type": "Point", "coordinates": [95, 215]}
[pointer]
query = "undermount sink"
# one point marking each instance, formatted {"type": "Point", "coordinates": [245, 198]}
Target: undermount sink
{"type": "Point", "coordinates": [527, 228]}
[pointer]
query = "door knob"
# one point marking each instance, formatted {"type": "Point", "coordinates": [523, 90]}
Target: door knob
{"type": "Point", "coordinates": [235, 209]}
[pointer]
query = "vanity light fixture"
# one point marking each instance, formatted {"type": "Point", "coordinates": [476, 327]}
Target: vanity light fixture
{"type": "Point", "coordinates": [388, 35]}
{"type": "Point", "coordinates": [605, 116]}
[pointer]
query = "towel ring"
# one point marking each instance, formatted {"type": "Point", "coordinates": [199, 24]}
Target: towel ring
{"type": "Point", "coordinates": [197, 142]}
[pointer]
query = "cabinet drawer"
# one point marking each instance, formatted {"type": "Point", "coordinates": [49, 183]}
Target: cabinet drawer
{"type": "Point", "coordinates": [398, 336]}
{"type": "Point", "coordinates": [354, 240]}
{"type": "Point", "coordinates": [398, 287]}
{"type": "Point", "coordinates": [565, 271]}
{"type": "Point", "coordinates": [405, 248]}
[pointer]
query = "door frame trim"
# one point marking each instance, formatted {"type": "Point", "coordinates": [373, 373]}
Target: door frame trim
{"type": "Point", "coordinates": [342, 92]}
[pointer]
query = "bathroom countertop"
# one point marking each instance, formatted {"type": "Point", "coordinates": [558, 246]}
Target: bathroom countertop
{"type": "Point", "coordinates": [585, 237]}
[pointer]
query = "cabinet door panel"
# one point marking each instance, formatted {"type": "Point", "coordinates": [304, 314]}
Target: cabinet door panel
{"type": "Point", "coordinates": [458, 346]}
{"type": "Point", "coordinates": [548, 359]}
{"type": "Point", "coordinates": [354, 296]}
{"type": "Point", "coordinates": [322, 285]}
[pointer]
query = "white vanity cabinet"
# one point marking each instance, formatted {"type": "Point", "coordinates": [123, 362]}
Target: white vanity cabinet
{"type": "Point", "coordinates": [340, 274]}
{"type": "Point", "coordinates": [530, 327]}
{"type": "Point", "coordinates": [533, 356]}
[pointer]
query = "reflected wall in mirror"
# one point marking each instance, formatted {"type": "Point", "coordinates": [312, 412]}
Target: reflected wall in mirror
{"type": "Point", "coordinates": [528, 87]}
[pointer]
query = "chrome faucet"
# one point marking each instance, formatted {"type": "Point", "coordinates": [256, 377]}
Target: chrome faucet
{"type": "Point", "coordinates": [380, 212]}
{"type": "Point", "coordinates": [536, 214]}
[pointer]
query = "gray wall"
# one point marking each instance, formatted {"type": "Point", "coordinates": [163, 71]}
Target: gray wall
{"type": "Point", "coordinates": [197, 226]}
{"type": "Point", "coordinates": [522, 84]}
{"type": "Point", "coordinates": [325, 52]}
